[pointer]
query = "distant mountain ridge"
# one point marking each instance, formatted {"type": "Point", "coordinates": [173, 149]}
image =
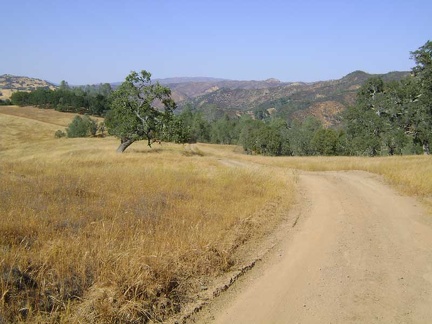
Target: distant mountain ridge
{"type": "Point", "coordinates": [216, 96]}
{"type": "Point", "coordinates": [291, 100]}
{"type": "Point", "coordinates": [187, 79]}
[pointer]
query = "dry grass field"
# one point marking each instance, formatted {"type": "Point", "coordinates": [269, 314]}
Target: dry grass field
{"type": "Point", "coordinates": [88, 235]}
{"type": "Point", "coordinates": [411, 175]}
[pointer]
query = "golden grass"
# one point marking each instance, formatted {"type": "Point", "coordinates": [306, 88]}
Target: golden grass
{"type": "Point", "coordinates": [48, 116]}
{"type": "Point", "coordinates": [6, 93]}
{"type": "Point", "coordinates": [411, 175]}
{"type": "Point", "coordinates": [89, 235]}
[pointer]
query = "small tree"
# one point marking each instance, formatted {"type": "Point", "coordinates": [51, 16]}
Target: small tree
{"type": "Point", "coordinates": [178, 132]}
{"type": "Point", "coordinates": [134, 113]}
{"type": "Point", "coordinates": [59, 134]}
{"type": "Point", "coordinates": [82, 127]}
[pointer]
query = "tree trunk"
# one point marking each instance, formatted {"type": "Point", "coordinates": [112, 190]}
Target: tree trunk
{"type": "Point", "coordinates": [125, 143]}
{"type": "Point", "coordinates": [426, 150]}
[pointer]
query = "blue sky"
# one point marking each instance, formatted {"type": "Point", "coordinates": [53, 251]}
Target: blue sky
{"type": "Point", "coordinates": [93, 41]}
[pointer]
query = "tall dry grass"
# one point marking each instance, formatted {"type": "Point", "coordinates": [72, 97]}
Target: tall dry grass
{"type": "Point", "coordinates": [411, 175]}
{"type": "Point", "coordinates": [88, 235]}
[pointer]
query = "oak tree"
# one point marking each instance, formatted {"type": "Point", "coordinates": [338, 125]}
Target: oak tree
{"type": "Point", "coordinates": [422, 124]}
{"type": "Point", "coordinates": [140, 110]}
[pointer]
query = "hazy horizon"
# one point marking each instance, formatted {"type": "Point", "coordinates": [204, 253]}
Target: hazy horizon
{"type": "Point", "coordinates": [293, 41]}
{"type": "Point", "coordinates": [190, 77]}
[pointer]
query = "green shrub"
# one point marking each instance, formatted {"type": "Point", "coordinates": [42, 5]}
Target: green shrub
{"type": "Point", "coordinates": [82, 127]}
{"type": "Point", "coordinates": [59, 134]}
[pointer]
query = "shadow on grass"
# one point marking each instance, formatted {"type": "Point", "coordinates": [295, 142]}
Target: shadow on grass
{"type": "Point", "coordinates": [144, 151]}
{"type": "Point", "coordinates": [192, 151]}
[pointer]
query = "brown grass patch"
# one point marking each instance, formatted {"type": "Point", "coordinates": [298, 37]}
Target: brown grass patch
{"type": "Point", "coordinates": [411, 175]}
{"type": "Point", "coordinates": [48, 116]}
{"type": "Point", "coordinates": [89, 235]}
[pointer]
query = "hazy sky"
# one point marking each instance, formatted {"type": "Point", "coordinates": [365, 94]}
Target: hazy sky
{"type": "Point", "coordinates": [95, 41]}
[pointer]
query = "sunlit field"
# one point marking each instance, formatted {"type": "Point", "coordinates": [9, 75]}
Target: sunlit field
{"type": "Point", "coordinates": [90, 235]}
{"type": "Point", "coordinates": [411, 175]}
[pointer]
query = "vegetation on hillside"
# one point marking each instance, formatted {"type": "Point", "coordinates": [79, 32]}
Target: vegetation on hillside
{"type": "Point", "coordinates": [11, 83]}
{"type": "Point", "coordinates": [283, 99]}
{"type": "Point", "coordinates": [91, 236]}
{"type": "Point", "coordinates": [93, 100]}
{"type": "Point", "coordinates": [386, 116]}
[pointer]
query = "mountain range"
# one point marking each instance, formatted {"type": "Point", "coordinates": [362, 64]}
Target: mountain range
{"type": "Point", "coordinates": [292, 100]}
{"type": "Point", "coordinates": [216, 97]}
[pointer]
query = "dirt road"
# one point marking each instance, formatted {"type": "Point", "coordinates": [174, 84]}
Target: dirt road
{"type": "Point", "coordinates": [360, 253]}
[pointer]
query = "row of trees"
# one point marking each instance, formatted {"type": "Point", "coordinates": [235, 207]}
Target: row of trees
{"type": "Point", "coordinates": [268, 137]}
{"type": "Point", "coordinates": [93, 100]}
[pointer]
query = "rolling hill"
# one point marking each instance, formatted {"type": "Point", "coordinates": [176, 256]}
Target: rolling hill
{"type": "Point", "coordinates": [216, 97]}
{"type": "Point", "coordinates": [11, 83]}
{"type": "Point", "coordinates": [295, 100]}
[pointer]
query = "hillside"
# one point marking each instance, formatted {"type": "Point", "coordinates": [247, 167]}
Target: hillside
{"type": "Point", "coordinates": [84, 241]}
{"type": "Point", "coordinates": [215, 97]}
{"type": "Point", "coordinates": [11, 83]}
{"type": "Point", "coordinates": [324, 99]}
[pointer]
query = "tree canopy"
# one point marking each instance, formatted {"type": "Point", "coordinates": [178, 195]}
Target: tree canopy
{"type": "Point", "coordinates": [88, 99]}
{"type": "Point", "coordinates": [140, 110]}
{"type": "Point", "coordinates": [394, 117]}
{"type": "Point", "coordinates": [422, 121]}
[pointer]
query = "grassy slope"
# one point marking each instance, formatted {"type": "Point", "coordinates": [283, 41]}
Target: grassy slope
{"type": "Point", "coordinates": [107, 237]}
{"type": "Point", "coordinates": [93, 236]}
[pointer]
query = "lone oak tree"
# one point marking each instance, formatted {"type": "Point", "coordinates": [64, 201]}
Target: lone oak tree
{"type": "Point", "coordinates": [135, 114]}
